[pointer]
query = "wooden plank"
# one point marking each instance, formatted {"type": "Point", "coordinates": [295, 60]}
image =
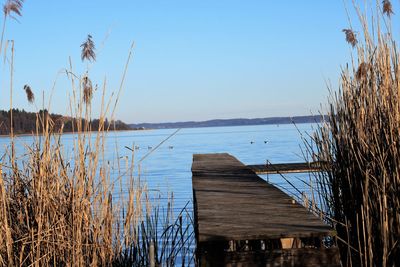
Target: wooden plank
{"type": "Point", "coordinates": [232, 203]}
{"type": "Point", "coordinates": [298, 167]}
{"type": "Point", "coordinates": [303, 257]}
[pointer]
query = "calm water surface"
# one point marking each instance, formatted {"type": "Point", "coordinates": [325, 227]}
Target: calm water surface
{"type": "Point", "coordinates": [168, 168]}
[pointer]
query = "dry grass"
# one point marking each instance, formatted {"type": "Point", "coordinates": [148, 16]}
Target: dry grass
{"type": "Point", "coordinates": [72, 211]}
{"type": "Point", "coordinates": [360, 191]}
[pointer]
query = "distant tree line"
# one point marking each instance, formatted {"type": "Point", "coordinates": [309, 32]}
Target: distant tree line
{"type": "Point", "coordinates": [30, 122]}
{"type": "Point", "coordinates": [231, 122]}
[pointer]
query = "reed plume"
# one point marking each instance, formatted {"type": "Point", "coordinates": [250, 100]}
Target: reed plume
{"type": "Point", "coordinates": [351, 37]}
{"type": "Point", "coordinates": [88, 49]}
{"type": "Point", "coordinates": [87, 89]}
{"type": "Point", "coordinates": [29, 94]}
{"type": "Point", "coordinates": [13, 6]}
{"type": "Point", "coordinates": [72, 205]}
{"type": "Point", "coordinates": [387, 7]}
{"type": "Point", "coordinates": [360, 140]}
{"type": "Point", "coordinates": [9, 8]}
{"type": "Point", "coordinates": [362, 71]}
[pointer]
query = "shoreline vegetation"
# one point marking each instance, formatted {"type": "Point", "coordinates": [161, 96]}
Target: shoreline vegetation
{"type": "Point", "coordinates": [230, 122]}
{"type": "Point", "coordinates": [359, 190]}
{"type": "Point", "coordinates": [79, 208]}
{"type": "Point", "coordinates": [26, 122]}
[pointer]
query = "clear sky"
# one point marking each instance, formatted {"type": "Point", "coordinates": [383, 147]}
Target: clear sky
{"type": "Point", "coordinates": [193, 60]}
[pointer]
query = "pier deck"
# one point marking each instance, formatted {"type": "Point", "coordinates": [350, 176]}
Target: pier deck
{"type": "Point", "coordinates": [297, 167]}
{"type": "Point", "coordinates": [231, 203]}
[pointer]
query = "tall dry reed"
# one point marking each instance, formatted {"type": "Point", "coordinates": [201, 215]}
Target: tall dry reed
{"type": "Point", "coordinates": [360, 188]}
{"type": "Point", "coordinates": [59, 210]}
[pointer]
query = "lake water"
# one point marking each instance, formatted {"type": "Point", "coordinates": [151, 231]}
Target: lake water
{"type": "Point", "coordinates": [168, 168]}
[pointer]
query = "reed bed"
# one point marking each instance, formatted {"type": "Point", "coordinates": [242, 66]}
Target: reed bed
{"type": "Point", "coordinates": [58, 210]}
{"type": "Point", "coordinates": [359, 190]}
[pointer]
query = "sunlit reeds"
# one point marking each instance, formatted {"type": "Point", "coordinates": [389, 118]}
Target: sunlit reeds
{"type": "Point", "coordinates": [360, 141]}
{"type": "Point", "coordinates": [59, 210]}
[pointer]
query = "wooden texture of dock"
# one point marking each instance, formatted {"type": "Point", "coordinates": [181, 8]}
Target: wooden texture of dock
{"type": "Point", "coordinates": [231, 202]}
{"type": "Point", "coordinates": [297, 167]}
{"type": "Point", "coordinates": [234, 203]}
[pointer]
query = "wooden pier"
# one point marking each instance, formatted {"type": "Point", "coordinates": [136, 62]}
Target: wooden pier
{"type": "Point", "coordinates": [241, 220]}
{"type": "Point", "coordinates": [297, 167]}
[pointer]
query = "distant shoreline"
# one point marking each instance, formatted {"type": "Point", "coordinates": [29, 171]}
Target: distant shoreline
{"type": "Point", "coordinates": [208, 123]}
{"type": "Point", "coordinates": [66, 133]}
{"type": "Point", "coordinates": [230, 122]}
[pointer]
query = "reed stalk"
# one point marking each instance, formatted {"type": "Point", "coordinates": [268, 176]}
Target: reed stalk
{"type": "Point", "coordinates": [360, 141]}
{"type": "Point", "coordinates": [58, 210]}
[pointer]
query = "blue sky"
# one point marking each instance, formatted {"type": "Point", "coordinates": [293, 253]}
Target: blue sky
{"type": "Point", "coordinates": [193, 60]}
